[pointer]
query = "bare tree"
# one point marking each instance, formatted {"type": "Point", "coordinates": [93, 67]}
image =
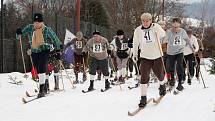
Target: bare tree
{"type": "Point", "coordinates": [204, 10]}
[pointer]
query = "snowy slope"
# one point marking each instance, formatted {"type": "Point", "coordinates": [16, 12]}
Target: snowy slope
{"type": "Point", "coordinates": [193, 104]}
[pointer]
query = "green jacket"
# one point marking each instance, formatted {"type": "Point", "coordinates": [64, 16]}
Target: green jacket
{"type": "Point", "coordinates": [48, 34]}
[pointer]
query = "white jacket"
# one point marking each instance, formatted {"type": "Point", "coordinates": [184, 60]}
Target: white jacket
{"type": "Point", "coordinates": [148, 40]}
{"type": "Point", "coordinates": [194, 44]}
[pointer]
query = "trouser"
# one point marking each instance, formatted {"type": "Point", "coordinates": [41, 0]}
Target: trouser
{"type": "Point", "coordinates": [78, 63]}
{"type": "Point", "coordinates": [197, 66]}
{"type": "Point", "coordinates": [121, 66]}
{"type": "Point", "coordinates": [98, 64]}
{"type": "Point", "coordinates": [189, 63]}
{"type": "Point", "coordinates": [40, 61]}
{"type": "Point", "coordinates": [145, 67]}
{"type": "Point", "coordinates": [176, 61]}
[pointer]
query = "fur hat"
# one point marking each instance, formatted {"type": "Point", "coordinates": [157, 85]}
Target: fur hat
{"type": "Point", "coordinates": [38, 17]}
{"type": "Point", "coordinates": [96, 32]}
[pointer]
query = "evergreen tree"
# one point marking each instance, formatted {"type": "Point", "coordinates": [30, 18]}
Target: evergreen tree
{"type": "Point", "coordinates": [212, 60]}
{"type": "Point", "coordinates": [94, 12]}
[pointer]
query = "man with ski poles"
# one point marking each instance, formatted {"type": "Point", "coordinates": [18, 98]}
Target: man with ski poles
{"type": "Point", "coordinates": [147, 38]}
{"type": "Point", "coordinates": [38, 35]}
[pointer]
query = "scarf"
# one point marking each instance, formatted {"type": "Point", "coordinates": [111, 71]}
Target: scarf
{"type": "Point", "coordinates": [37, 39]}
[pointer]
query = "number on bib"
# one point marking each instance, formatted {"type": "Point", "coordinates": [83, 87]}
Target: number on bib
{"type": "Point", "coordinates": [177, 40]}
{"type": "Point", "coordinates": [124, 46]}
{"type": "Point", "coordinates": [147, 37]}
{"type": "Point", "coordinates": [97, 48]}
{"type": "Point", "coordinates": [78, 44]}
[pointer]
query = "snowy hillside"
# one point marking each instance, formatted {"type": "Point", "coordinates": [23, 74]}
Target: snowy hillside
{"type": "Point", "coordinates": [193, 104]}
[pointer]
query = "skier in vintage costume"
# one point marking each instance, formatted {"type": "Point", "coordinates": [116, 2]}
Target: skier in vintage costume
{"type": "Point", "coordinates": [98, 49]}
{"type": "Point", "coordinates": [39, 34]}
{"type": "Point", "coordinates": [147, 38]}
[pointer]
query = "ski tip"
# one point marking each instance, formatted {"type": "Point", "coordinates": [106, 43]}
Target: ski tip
{"type": "Point", "coordinates": [154, 101]}
{"type": "Point", "coordinates": [130, 114]}
{"type": "Point", "coordinates": [24, 101]}
{"type": "Point", "coordinates": [27, 94]}
{"type": "Point", "coordinates": [73, 87]}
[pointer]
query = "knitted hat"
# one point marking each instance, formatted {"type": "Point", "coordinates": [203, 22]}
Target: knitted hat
{"type": "Point", "coordinates": [38, 17]}
{"type": "Point", "coordinates": [120, 32]}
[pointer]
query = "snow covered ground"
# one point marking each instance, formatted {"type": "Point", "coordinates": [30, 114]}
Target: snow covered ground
{"type": "Point", "coordinates": [194, 104]}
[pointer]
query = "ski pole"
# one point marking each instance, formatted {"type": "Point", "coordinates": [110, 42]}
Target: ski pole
{"type": "Point", "coordinates": [32, 64]}
{"type": "Point", "coordinates": [23, 61]}
{"type": "Point", "coordinates": [200, 73]}
{"type": "Point", "coordinates": [83, 64]}
{"type": "Point", "coordinates": [204, 64]}
{"type": "Point", "coordinates": [67, 74]}
{"type": "Point", "coordinates": [62, 76]}
{"type": "Point", "coordinates": [161, 53]}
{"type": "Point", "coordinates": [187, 66]}
{"type": "Point", "coordinates": [115, 71]}
{"type": "Point", "coordinates": [33, 68]}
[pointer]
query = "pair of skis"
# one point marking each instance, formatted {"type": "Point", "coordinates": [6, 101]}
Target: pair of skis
{"type": "Point", "coordinates": [102, 90]}
{"type": "Point", "coordinates": [155, 101]}
{"type": "Point", "coordinates": [24, 100]}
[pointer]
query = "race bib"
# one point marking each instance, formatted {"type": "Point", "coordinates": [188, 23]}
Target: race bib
{"type": "Point", "coordinates": [78, 44]}
{"type": "Point", "coordinates": [147, 37]}
{"type": "Point", "coordinates": [124, 46]}
{"type": "Point", "coordinates": [97, 47]}
{"type": "Point", "coordinates": [177, 41]}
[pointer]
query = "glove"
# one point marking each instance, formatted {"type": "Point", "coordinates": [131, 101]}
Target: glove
{"type": "Point", "coordinates": [61, 47]}
{"type": "Point", "coordinates": [57, 54]}
{"type": "Point", "coordinates": [19, 31]}
{"type": "Point", "coordinates": [29, 52]}
{"type": "Point", "coordinates": [109, 52]}
{"type": "Point", "coordinates": [130, 45]}
{"type": "Point", "coordinates": [83, 54]}
{"type": "Point", "coordinates": [112, 55]}
{"type": "Point", "coordinates": [135, 59]}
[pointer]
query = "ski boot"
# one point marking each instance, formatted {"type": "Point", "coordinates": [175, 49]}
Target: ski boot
{"type": "Point", "coordinates": [189, 81]}
{"type": "Point", "coordinates": [143, 102]}
{"type": "Point", "coordinates": [111, 73]}
{"type": "Point", "coordinates": [130, 76]}
{"type": "Point", "coordinates": [162, 90]}
{"type": "Point", "coordinates": [41, 91]}
{"type": "Point", "coordinates": [122, 80]}
{"type": "Point", "coordinates": [76, 79]}
{"type": "Point", "coordinates": [179, 87]}
{"type": "Point", "coordinates": [107, 84]}
{"type": "Point", "coordinates": [47, 86]}
{"type": "Point", "coordinates": [91, 85]}
{"type": "Point", "coordinates": [56, 80]}
{"type": "Point", "coordinates": [171, 84]}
